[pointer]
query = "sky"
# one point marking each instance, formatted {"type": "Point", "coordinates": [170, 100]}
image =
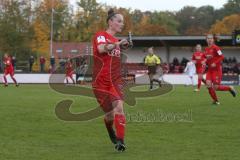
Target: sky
{"type": "Point", "coordinates": [160, 5]}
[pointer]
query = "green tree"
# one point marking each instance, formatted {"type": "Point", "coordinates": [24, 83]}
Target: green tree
{"type": "Point", "coordinates": [136, 16]}
{"type": "Point", "coordinates": [89, 16]}
{"type": "Point", "coordinates": [229, 8]}
{"type": "Point", "coordinates": [60, 16]}
{"type": "Point", "coordinates": [193, 20]}
{"type": "Point", "coordinates": [15, 27]}
{"type": "Point", "coordinates": [144, 27]}
{"type": "Point", "coordinates": [166, 20]}
{"type": "Point", "coordinates": [186, 18]}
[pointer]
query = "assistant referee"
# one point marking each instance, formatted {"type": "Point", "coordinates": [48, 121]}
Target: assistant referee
{"type": "Point", "coordinates": [152, 61]}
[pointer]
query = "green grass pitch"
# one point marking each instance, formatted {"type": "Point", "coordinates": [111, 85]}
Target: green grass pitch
{"type": "Point", "coordinates": [30, 130]}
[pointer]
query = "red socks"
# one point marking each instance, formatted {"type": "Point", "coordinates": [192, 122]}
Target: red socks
{"type": "Point", "coordinates": [220, 88]}
{"type": "Point", "coordinates": [212, 94]}
{"type": "Point", "coordinates": [120, 122]}
{"type": "Point", "coordinates": [223, 88]}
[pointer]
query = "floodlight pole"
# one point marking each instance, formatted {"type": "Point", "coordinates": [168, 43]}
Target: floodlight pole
{"type": "Point", "coordinates": [51, 32]}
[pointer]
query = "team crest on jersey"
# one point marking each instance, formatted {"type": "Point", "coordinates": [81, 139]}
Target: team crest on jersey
{"type": "Point", "coordinates": [115, 52]}
{"type": "Point", "coordinates": [101, 39]}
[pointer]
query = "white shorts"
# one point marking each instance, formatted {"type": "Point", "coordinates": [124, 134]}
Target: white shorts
{"type": "Point", "coordinates": [191, 74]}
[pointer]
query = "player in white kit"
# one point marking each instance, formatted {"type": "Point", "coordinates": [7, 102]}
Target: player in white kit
{"type": "Point", "coordinates": [190, 70]}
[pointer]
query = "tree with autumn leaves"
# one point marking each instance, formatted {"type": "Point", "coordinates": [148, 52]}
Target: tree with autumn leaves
{"type": "Point", "coordinates": [25, 24]}
{"type": "Point", "coordinates": [227, 25]}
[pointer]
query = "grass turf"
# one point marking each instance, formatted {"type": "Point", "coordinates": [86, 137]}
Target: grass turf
{"type": "Point", "coordinates": [31, 130]}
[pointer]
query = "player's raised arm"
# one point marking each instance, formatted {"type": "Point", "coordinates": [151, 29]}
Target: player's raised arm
{"type": "Point", "coordinates": [103, 48]}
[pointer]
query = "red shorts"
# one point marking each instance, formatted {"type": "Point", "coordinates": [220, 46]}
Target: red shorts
{"type": "Point", "coordinates": [107, 94]}
{"type": "Point", "coordinates": [69, 74]}
{"type": "Point", "coordinates": [214, 76]}
{"type": "Point", "coordinates": [200, 70]}
{"type": "Point", "coordinates": [9, 71]}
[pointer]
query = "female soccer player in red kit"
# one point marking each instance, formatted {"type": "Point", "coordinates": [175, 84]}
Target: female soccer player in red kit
{"type": "Point", "coordinates": [200, 62]}
{"type": "Point", "coordinates": [107, 79]}
{"type": "Point", "coordinates": [214, 74]}
{"type": "Point", "coordinates": [8, 70]}
{"type": "Point", "coordinates": [69, 71]}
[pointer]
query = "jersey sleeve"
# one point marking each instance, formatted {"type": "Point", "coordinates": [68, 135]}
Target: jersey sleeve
{"type": "Point", "coordinates": [219, 56]}
{"type": "Point", "coordinates": [158, 60]}
{"type": "Point", "coordinates": [193, 57]}
{"type": "Point", "coordinates": [218, 50]}
{"type": "Point", "coordinates": [100, 38]}
{"type": "Point", "coordinates": [146, 60]}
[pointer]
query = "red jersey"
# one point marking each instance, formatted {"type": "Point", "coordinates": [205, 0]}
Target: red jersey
{"type": "Point", "coordinates": [214, 55]}
{"type": "Point", "coordinates": [42, 60]}
{"type": "Point", "coordinates": [199, 58]}
{"type": "Point", "coordinates": [8, 62]}
{"type": "Point", "coordinates": [107, 66]}
{"type": "Point", "coordinates": [69, 67]}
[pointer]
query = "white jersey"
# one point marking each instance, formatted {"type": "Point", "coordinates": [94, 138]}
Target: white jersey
{"type": "Point", "coordinates": [190, 68]}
